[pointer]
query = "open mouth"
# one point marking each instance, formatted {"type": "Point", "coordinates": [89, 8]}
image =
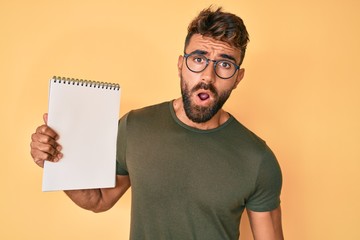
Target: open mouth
{"type": "Point", "coordinates": [203, 96]}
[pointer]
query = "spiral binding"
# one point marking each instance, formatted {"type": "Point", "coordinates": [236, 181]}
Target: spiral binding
{"type": "Point", "coordinates": [86, 83]}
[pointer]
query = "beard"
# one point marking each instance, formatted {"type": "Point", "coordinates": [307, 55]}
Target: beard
{"type": "Point", "coordinates": [201, 114]}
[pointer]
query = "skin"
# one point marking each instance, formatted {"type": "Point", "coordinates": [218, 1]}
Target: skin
{"type": "Point", "coordinates": [44, 146]}
{"type": "Point", "coordinates": [214, 49]}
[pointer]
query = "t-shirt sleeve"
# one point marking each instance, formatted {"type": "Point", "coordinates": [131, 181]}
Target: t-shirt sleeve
{"type": "Point", "coordinates": [266, 196]}
{"type": "Point", "coordinates": [121, 168]}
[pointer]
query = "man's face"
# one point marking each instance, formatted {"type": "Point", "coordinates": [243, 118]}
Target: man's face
{"type": "Point", "coordinates": [204, 93]}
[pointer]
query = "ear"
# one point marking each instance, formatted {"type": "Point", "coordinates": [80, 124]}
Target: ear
{"type": "Point", "coordinates": [180, 64]}
{"type": "Point", "coordinates": [239, 77]}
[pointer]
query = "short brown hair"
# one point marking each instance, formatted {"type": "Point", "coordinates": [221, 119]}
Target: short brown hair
{"type": "Point", "coordinates": [223, 26]}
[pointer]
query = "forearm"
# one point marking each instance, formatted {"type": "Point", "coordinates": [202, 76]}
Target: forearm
{"type": "Point", "coordinates": [100, 200]}
{"type": "Point", "coordinates": [89, 199]}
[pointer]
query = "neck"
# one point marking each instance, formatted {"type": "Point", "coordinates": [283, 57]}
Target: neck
{"type": "Point", "coordinates": [218, 119]}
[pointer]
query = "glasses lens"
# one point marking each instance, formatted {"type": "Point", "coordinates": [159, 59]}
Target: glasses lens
{"type": "Point", "coordinates": [225, 69]}
{"type": "Point", "coordinates": [196, 62]}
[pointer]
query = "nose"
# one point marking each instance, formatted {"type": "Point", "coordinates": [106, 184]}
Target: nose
{"type": "Point", "coordinates": [208, 75]}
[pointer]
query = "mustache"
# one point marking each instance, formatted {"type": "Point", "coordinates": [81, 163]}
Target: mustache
{"type": "Point", "coordinates": [205, 86]}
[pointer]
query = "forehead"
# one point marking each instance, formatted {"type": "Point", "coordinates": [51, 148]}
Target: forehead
{"type": "Point", "coordinates": [212, 46]}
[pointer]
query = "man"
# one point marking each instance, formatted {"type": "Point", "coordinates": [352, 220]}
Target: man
{"type": "Point", "coordinates": [192, 166]}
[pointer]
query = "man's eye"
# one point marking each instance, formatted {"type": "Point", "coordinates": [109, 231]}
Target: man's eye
{"type": "Point", "coordinates": [225, 64]}
{"type": "Point", "coordinates": [198, 59]}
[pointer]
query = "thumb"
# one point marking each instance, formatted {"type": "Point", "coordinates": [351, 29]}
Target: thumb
{"type": "Point", "coordinates": [45, 117]}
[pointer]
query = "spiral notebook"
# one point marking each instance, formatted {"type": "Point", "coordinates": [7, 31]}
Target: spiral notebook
{"type": "Point", "coordinates": [85, 115]}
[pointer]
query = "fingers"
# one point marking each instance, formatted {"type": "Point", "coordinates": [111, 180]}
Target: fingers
{"type": "Point", "coordinates": [46, 132]}
{"type": "Point", "coordinates": [40, 157]}
{"type": "Point", "coordinates": [44, 145]}
{"type": "Point", "coordinates": [45, 117]}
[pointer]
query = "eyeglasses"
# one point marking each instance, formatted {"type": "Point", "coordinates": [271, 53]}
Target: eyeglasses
{"type": "Point", "coordinates": [224, 69]}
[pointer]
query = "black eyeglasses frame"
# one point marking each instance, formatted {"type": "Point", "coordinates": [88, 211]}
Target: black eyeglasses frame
{"type": "Point", "coordinates": [186, 55]}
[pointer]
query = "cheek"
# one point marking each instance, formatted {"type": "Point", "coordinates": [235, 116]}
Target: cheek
{"type": "Point", "coordinates": [189, 77]}
{"type": "Point", "coordinates": [228, 84]}
{"type": "Point", "coordinates": [223, 87]}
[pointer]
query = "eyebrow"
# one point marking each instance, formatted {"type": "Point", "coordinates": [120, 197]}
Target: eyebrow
{"type": "Point", "coordinates": [202, 52]}
{"type": "Point", "coordinates": [198, 51]}
{"type": "Point", "coordinates": [228, 57]}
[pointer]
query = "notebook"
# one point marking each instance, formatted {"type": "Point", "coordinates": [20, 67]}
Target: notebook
{"type": "Point", "coordinates": [85, 115]}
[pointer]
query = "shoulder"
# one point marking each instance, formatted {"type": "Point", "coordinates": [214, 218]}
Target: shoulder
{"type": "Point", "coordinates": [146, 117]}
{"type": "Point", "coordinates": [246, 136]}
{"type": "Point", "coordinates": [146, 111]}
{"type": "Point", "coordinates": [150, 110]}
{"type": "Point", "coordinates": [258, 153]}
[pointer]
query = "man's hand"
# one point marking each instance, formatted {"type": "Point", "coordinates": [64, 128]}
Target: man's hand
{"type": "Point", "coordinates": [44, 144]}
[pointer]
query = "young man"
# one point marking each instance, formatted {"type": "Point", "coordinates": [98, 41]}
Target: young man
{"type": "Point", "coordinates": [192, 166]}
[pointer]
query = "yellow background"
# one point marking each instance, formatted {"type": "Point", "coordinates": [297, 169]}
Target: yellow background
{"type": "Point", "coordinates": [300, 93]}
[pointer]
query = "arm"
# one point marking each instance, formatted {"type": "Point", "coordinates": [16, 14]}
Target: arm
{"type": "Point", "coordinates": [266, 225]}
{"type": "Point", "coordinates": [44, 147]}
{"type": "Point", "coordinates": [100, 200]}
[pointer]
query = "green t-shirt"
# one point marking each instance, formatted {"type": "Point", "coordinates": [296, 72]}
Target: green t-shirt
{"type": "Point", "coordinates": [189, 183]}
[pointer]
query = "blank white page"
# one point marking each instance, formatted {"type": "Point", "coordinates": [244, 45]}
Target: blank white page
{"type": "Point", "coordinates": [85, 115]}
